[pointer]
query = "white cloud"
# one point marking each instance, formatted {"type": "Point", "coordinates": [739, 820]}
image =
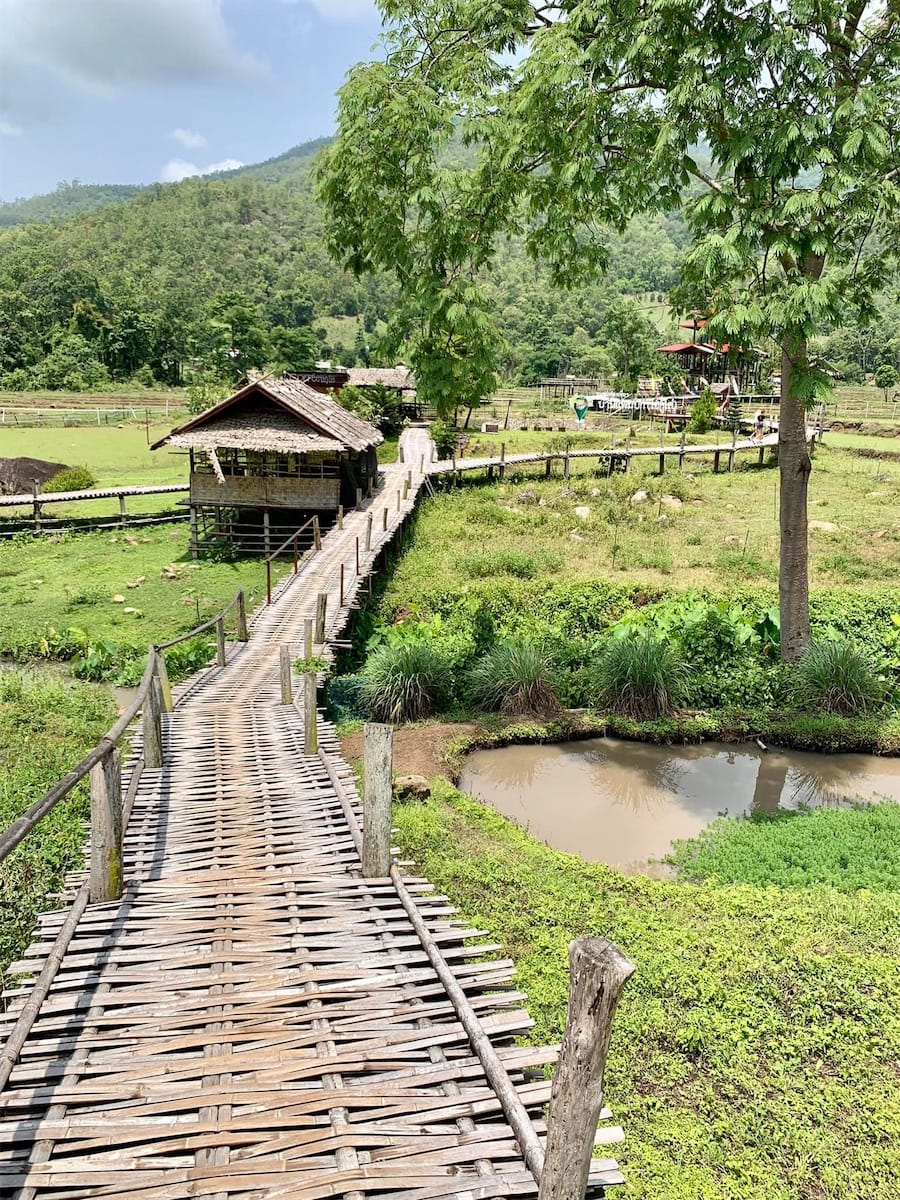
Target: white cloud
{"type": "Point", "coordinates": [104, 45]}
{"type": "Point", "coordinates": [343, 10]}
{"type": "Point", "coordinates": [189, 139]}
{"type": "Point", "coordinates": [178, 168]}
{"type": "Point", "coordinates": [9, 129]}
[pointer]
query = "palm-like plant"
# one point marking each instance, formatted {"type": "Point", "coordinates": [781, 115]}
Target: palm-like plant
{"type": "Point", "coordinates": [513, 678]}
{"type": "Point", "coordinates": [405, 682]}
{"type": "Point", "coordinates": [836, 677]}
{"type": "Point", "coordinates": [639, 676]}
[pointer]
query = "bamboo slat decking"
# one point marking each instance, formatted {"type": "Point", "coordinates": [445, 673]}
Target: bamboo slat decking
{"type": "Point", "coordinates": [254, 1018]}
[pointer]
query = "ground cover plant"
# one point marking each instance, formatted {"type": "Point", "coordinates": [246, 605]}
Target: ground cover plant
{"type": "Point", "coordinates": [754, 1051]}
{"type": "Point", "coordinates": [46, 725]}
{"type": "Point", "coordinates": [846, 848]}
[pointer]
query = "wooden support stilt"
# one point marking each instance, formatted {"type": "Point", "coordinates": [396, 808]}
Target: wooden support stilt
{"type": "Point", "coordinates": [762, 455]}
{"type": "Point", "coordinates": [717, 454]}
{"type": "Point", "coordinates": [398, 499]}
{"type": "Point", "coordinates": [662, 464]}
{"type": "Point", "coordinates": [599, 971]}
{"type": "Point", "coordinates": [106, 829]}
{"type": "Point", "coordinates": [194, 541]}
{"type": "Point", "coordinates": [566, 465]}
{"type": "Point", "coordinates": [377, 762]}
{"type": "Point", "coordinates": [502, 471]}
{"type": "Point", "coordinates": [548, 467]}
{"type": "Point", "coordinates": [284, 665]}
{"type": "Point", "coordinates": [220, 642]}
{"type": "Point", "coordinates": [357, 556]}
{"type": "Point", "coordinates": [36, 491]}
{"type": "Point", "coordinates": [123, 515]}
{"type": "Point", "coordinates": [368, 531]}
{"type": "Point", "coordinates": [681, 451]}
{"type": "Point", "coordinates": [310, 715]}
{"type": "Point", "coordinates": [321, 609]}
{"type": "Point", "coordinates": [266, 538]}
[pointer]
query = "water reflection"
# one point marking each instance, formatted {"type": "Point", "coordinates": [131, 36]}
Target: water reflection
{"type": "Point", "coordinates": [625, 802]}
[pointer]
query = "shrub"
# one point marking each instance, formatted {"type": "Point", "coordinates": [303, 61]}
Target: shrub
{"type": "Point", "coordinates": [702, 412]}
{"type": "Point", "coordinates": [513, 679]}
{"type": "Point", "coordinates": [70, 479]}
{"type": "Point", "coordinates": [639, 676]}
{"type": "Point", "coordinates": [445, 438]}
{"type": "Point", "coordinates": [500, 562]}
{"type": "Point", "coordinates": [834, 676]}
{"type": "Point", "coordinates": [405, 682]}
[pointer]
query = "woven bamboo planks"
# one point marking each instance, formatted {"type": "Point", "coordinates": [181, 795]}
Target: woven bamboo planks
{"type": "Point", "coordinates": [254, 1017]}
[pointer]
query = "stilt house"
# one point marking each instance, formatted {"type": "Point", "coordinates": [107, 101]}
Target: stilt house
{"type": "Point", "coordinates": [270, 457]}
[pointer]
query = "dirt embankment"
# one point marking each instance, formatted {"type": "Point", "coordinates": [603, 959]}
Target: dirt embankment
{"type": "Point", "coordinates": [418, 749]}
{"type": "Point", "coordinates": [18, 474]}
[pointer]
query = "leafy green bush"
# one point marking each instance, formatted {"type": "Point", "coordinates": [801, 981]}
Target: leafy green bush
{"type": "Point", "coordinates": [490, 563]}
{"type": "Point", "coordinates": [513, 678]}
{"type": "Point", "coordinates": [846, 848]}
{"type": "Point", "coordinates": [70, 479]}
{"type": "Point", "coordinates": [836, 677]}
{"type": "Point", "coordinates": [639, 675]}
{"type": "Point", "coordinates": [702, 412]}
{"type": "Point", "coordinates": [405, 682]}
{"type": "Point", "coordinates": [445, 438]}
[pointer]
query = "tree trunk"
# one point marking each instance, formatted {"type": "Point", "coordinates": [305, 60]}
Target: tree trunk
{"type": "Point", "coordinates": [794, 468]}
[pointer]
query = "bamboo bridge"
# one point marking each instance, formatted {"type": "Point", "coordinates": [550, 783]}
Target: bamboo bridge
{"type": "Point", "coordinates": [254, 1016]}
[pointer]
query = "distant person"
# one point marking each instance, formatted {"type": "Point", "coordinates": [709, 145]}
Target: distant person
{"type": "Point", "coordinates": [581, 404]}
{"type": "Point", "coordinates": [759, 425]}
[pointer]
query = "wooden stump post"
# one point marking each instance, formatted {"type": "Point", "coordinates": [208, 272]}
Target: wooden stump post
{"type": "Point", "coordinates": [340, 516]}
{"type": "Point", "coordinates": [398, 499]}
{"type": "Point", "coordinates": [716, 457]}
{"type": "Point", "coordinates": [681, 451]}
{"type": "Point", "coordinates": [341, 598]}
{"type": "Point", "coordinates": [220, 641]}
{"type": "Point", "coordinates": [36, 491]}
{"type": "Point", "coordinates": [284, 663]}
{"type": "Point", "coordinates": [317, 534]}
{"type": "Point", "coordinates": [599, 971]}
{"type": "Point", "coordinates": [548, 467]}
{"type": "Point", "coordinates": [151, 724]}
{"type": "Point", "coordinates": [165, 688]}
{"type": "Point", "coordinates": [310, 715]}
{"type": "Point", "coordinates": [662, 464]}
{"type": "Point", "coordinates": [384, 516]}
{"type": "Point", "coordinates": [321, 609]}
{"type": "Point", "coordinates": [307, 638]}
{"type": "Point", "coordinates": [400, 457]}
{"type": "Point", "coordinates": [123, 515]}
{"type": "Point", "coordinates": [566, 463]}
{"type": "Point", "coordinates": [242, 634]}
{"type": "Point", "coordinates": [762, 455]}
{"type": "Point", "coordinates": [106, 829]}
{"type": "Point", "coordinates": [502, 471]}
{"type": "Point", "coordinates": [377, 762]}
{"type": "Point", "coordinates": [405, 488]}
{"type": "Point", "coordinates": [359, 495]}
{"type": "Point", "coordinates": [369, 531]}
{"type": "Point", "coordinates": [731, 451]}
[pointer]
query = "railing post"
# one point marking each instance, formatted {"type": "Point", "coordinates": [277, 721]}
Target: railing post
{"type": "Point", "coordinates": [400, 454]}
{"type": "Point", "coordinates": [502, 470]}
{"type": "Point", "coordinates": [151, 722]}
{"type": "Point", "coordinates": [357, 556]}
{"type": "Point", "coordinates": [341, 605]}
{"type": "Point", "coordinates": [405, 488]}
{"type": "Point", "coordinates": [106, 829]}
{"type": "Point", "coordinates": [268, 581]}
{"type": "Point", "coordinates": [296, 554]}
{"type": "Point", "coordinates": [165, 688]}
{"type": "Point", "coordinates": [321, 608]}
{"type": "Point", "coordinates": [599, 971]}
{"type": "Point", "coordinates": [317, 535]}
{"type": "Point", "coordinates": [377, 761]}
{"type": "Point", "coordinates": [284, 660]}
{"type": "Point", "coordinates": [384, 515]}
{"type": "Point", "coordinates": [369, 531]}
{"type": "Point", "coordinates": [340, 516]}
{"type": "Point", "coordinates": [359, 495]}
{"type": "Point", "coordinates": [242, 635]}
{"type": "Point", "coordinates": [310, 715]}
{"type": "Point", "coordinates": [220, 641]}
{"type": "Point", "coordinates": [307, 638]}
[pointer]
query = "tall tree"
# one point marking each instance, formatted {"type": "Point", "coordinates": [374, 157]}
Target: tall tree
{"type": "Point", "coordinates": [778, 121]}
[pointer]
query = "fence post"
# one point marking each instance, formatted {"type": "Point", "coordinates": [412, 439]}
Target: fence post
{"type": "Point", "coordinates": [377, 761]}
{"type": "Point", "coordinates": [340, 516]}
{"type": "Point", "coordinates": [122, 513]}
{"type": "Point", "coordinates": [400, 454]}
{"type": "Point", "coordinates": [310, 715]}
{"type": "Point", "coordinates": [307, 638]}
{"type": "Point", "coordinates": [220, 641]}
{"type": "Point", "coordinates": [369, 531]}
{"type": "Point", "coordinates": [296, 553]}
{"type": "Point", "coordinates": [242, 635]}
{"type": "Point", "coordinates": [321, 608]}
{"type": "Point", "coordinates": [566, 463]}
{"type": "Point", "coordinates": [599, 971]}
{"type": "Point", "coordinates": [341, 605]}
{"type": "Point", "coordinates": [268, 581]}
{"type": "Point", "coordinates": [398, 499]}
{"type": "Point", "coordinates": [36, 491]}
{"type": "Point", "coordinates": [502, 470]}
{"type": "Point", "coordinates": [317, 535]}
{"type": "Point", "coordinates": [106, 829]}
{"type": "Point", "coordinates": [357, 556]}
{"type": "Point", "coordinates": [681, 450]}
{"type": "Point", "coordinates": [165, 688]}
{"type": "Point", "coordinates": [384, 515]}
{"type": "Point", "coordinates": [151, 723]}
{"type": "Point", "coordinates": [284, 663]}
{"type": "Point", "coordinates": [405, 488]}
{"type": "Point", "coordinates": [359, 497]}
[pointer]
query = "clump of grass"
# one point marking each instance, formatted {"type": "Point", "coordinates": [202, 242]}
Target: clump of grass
{"type": "Point", "coordinates": [836, 677]}
{"type": "Point", "coordinates": [70, 479]}
{"type": "Point", "coordinates": [405, 682]}
{"type": "Point", "coordinates": [513, 678]}
{"type": "Point", "coordinates": [500, 562]}
{"type": "Point", "coordinates": [639, 676]}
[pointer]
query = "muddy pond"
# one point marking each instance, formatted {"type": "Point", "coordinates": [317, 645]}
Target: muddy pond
{"type": "Point", "coordinates": [624, 803]}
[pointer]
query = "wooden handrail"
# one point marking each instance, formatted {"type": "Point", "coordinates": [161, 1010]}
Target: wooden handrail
{"type": "Point", "coordinates": [292, 538]}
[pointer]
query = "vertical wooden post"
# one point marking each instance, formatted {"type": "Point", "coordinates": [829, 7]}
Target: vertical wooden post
{"type": "Point", "coordinates": [384, 515]}
{"type": "Point", "coordinates": [307, 638]}
{"type": "Point", "coordinates": [566, 463]}
{"type": "Point", "coordinates": [36, 491]}
{"type": "Point", "coordinates": [284, 664]}
{"type": "Point", "coordinates": [310, 715]}
{"type": "Point", "coordinates": [266, 540]}
{"type": "Point", "coordinates": [340, 516]}
{"type": "Point", "coordinates": [762, 455]}
{"type": "Point", "coordinates": [268, 581]}
{"type": "Point", "coordinates": [242, 634]}
{"type": "Point", "coordinates": [151, 723]}
{"type": "Point", "coordinates": [502, 471]}
{"type": "Point", "coordinates": [398, 499]}
{"type": "Point", "coordinates": [321, 608]}
{"type": "Point", "coordinates": [377, 762]}
{"type": "Point", "coordinates": [357, 556]}
{"type": "Point", "coordinates": [165, 688]}
{"type": "Point", "coordinates": [220, 641]}
{"type": "Point", "coordinates": [405, 488]}
{"type": "Point", "coordinates": [734, 434]}
{"type": "Point", "coordinates": [548, 467]}
{"type": "Point", "coordinates": [662, 464]}
{"type": "Point", "coordinates": [194, 543]}
{"type": "Point", "coordinates": [421, 464]}
{"type": "Point", "coordinates": [368, 531]}
{"type": "Point", "coordinates": [106, 829]}
{"type": "Point", "coordinates": [122, 512]}
{"type": "Point", "coordinates": [317, 534]}
{"type": "Point", "coordinates": [681, 450]}
{"type": "Point", "coordinates": [341, 605]}
{"type": "Point", "coordinates": [296, 553]}
{"type": "Point", "coordinates": [359, 497]}
{"type": "Point", "coordinates": [716, 457]}
{"type": "Point", "coordinates": [400, 454]}
{"type": "Point", "coordinates": [599, 971]}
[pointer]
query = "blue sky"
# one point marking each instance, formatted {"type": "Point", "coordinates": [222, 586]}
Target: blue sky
{"type": "Point", "coordinates": [133, 91]}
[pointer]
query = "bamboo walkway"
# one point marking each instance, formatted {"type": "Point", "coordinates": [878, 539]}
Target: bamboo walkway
{"type": "Point", "coordinates": [253, 1018]}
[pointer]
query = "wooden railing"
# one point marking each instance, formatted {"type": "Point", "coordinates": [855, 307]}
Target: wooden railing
{"type": "Point", "coordinates": [293, 540]}
{"type": "Point", "coordinates": [110, 810]}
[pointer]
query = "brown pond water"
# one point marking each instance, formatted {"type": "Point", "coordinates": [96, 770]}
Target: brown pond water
{"type": "Point", "coordinates": [624, 803]}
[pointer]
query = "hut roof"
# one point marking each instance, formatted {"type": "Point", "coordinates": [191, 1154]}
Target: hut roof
{"type": "Point", "coordinates": [401, 378]}
{"type": "Point", "coordinates": [293, 418]}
